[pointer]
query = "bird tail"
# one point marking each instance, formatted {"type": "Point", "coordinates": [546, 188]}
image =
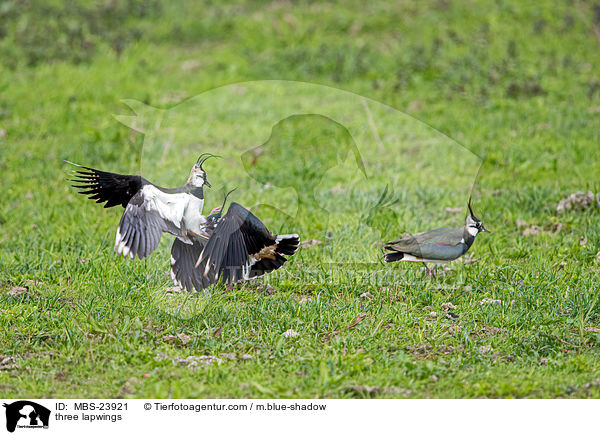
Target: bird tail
{"type": "Point", "coordinates": [287, 244]}
{"type": "Point", "coordinates": [184, 273]}
{"type": "Point", "coordinates": [393, 256]}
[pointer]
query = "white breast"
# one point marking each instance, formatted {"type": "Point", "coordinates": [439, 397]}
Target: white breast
{"type": "Point", "coordinates": [472, 231]}
{"type": "Point", "coordinates": [192, 217]}
{"type": "Point", "coordinates": [170, 207]}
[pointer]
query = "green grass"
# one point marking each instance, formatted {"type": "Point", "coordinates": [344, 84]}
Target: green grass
{"type": "Point", "coordinates": [512, 82]}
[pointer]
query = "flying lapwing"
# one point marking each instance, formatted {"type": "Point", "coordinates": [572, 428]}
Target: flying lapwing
{"type": "Point", "coordinates": [240, 247]}
{"type": "Point", "coordinates": [438, 246]}
{"type": "Point", "coordinates": [150, 210]}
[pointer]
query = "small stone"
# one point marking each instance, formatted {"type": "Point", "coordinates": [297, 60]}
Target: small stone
{"type": "Point", "coordinates": [290, 333]}
{"type": "Point", "coordinates": [160, 356]}
{"type": "Point", "coordinates": [229, 355]}
{"type": "Point", "coordinates": [447, 306]}
{"type": "Point", "coordinates": [184, 338]}
{"type": "Point", "coordinates": [454, 329]}
{"type": "Point", "coordinates": [310, 243]}
{"type": "Point", "coordinates": [17, 291]}
{"type": "Point", "coordinates": [533, 230]}
{"type": "Point", "coordinates": [7, 360]}
{"type": "Point", "coordinates": [488, 301]}
{"type": "Point", "coordinates": [578, 201]}
{"type": "Point", "coordinates": [174, 290]}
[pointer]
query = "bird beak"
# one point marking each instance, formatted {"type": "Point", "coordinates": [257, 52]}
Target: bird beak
{"type": "Point", "coordinates": [207, 183]}
{"type": "Point", "coordinates": [485, 230]}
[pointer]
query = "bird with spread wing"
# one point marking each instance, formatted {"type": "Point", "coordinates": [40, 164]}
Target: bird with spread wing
{"type": "Point", "coordinates": [233, 247]}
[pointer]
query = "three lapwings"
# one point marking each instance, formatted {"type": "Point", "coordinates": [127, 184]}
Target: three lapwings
{"type": "Point", "coordinates": [232, 247]}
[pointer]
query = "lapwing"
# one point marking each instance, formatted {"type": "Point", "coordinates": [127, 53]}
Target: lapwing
{"type": "Point", "coordinates": [150, 210]}
{"type": "Point", "coordinates": [240, 247]}
{"type": "Point", "coordinates": [437, 246]}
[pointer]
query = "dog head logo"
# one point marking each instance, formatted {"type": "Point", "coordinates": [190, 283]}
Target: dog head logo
{"type": "Point", "coordinates": [26, 414]}
{"type": "Point", "coordinates": [331, 165]}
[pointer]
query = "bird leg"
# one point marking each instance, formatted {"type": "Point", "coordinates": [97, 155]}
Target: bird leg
{"type": "Point", "coordinates": [431, 272]}
{"type": "Point", "coordinates": [427, 270]}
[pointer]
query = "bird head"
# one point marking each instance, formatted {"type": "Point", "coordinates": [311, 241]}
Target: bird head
{"type": "Point", "coordinates": [197, 174]}
{"type": "Point", "coordinates": [474, 224]}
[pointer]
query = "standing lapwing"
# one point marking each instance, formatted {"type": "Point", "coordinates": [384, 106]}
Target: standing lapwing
{"type": "Point", "coordinates": [240, 247]}
{"type": "Point", "coordinates": [436, 246]}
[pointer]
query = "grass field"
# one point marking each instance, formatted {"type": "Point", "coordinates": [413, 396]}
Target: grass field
{"type": "Point", "coordinates": [507, 90]}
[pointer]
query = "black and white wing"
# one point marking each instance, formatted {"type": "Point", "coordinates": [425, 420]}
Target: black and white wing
{"type": "Point", "coordinates": [184, 272]}
{"type": "Point", "coordinates": [114, 189]}
{"type": "Point", "coordinates": [149, 210]}
{"type": "Point", "coordinates": [241, 247]}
